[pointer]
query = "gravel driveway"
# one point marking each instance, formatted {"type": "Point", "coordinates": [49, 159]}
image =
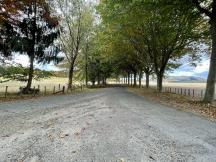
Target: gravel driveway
{"type": "Point", "coordinates": [107, 125]}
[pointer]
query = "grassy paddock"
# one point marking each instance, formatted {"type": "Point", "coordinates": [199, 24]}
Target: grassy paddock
{"type": "Point", "coordinates": [181, 85]}
{"type": "Point", "coordinates": [13, 87]}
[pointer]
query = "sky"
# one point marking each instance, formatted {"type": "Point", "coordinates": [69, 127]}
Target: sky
{"type": "Point", "coordinates": [201, 70]}
{"type": "Point", "coordinates": [24, 60]}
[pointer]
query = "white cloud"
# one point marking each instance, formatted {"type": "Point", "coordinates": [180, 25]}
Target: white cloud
{"type": "Point", "coordinates": [187, 70]}
{"type": "Point", "coordinates": [48, 67]}
{"type": "Point", "coordinates": [202, 67]}
{"type": "Point", "coordinates": [21, 59]}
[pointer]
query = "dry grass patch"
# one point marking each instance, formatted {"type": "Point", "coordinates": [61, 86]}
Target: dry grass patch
{"type": "Point", "coordinates": [14, 97]}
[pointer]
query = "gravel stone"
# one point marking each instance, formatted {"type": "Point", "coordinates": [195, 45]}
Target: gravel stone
{"type": "Point", "coordinates": [107, 125]}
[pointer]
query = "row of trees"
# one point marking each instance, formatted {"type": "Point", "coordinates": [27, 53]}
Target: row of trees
{"type": "Point", "coordinates": [20, 73]}
{"type": "Point", "coordinates": [145, 36]}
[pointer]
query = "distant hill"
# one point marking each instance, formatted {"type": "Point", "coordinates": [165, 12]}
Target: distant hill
{"type": "Point", "coordinates": [203, 74]}
{"type": "Point", "coordinates": [185, 79]}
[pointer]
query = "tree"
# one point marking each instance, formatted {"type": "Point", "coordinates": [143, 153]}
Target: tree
{"type": "Point", "coordinates": [98, 63]}
{"type": "Point", "coordinates": [77, 20]}
{"type": "Point", "coordinates": [207, 10]}
{"type": "Point", "coordinates": [210, 11]}
{"type": "Point", "coordinates": [35, 30]}
{"type": "Point", "coordinates": [168, 35]}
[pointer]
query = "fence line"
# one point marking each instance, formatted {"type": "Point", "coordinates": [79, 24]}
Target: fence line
{"type": "Point", "coordinates": [41, 90]}
{"type": "Point", "coordinates": [195, 93]}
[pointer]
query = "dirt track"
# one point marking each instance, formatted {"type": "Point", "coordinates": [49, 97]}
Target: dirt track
{"type": "Point", "coordinates": [108, 125]}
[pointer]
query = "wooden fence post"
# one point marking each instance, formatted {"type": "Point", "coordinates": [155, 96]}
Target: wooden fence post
{"type": "Point", "coordinates": [6, 91]}
{"type": "Point", "coordinates": [63, 90]}
{"type": "Point", "coordinates": [189, 92]}
{"type": "Point", "coordinates": [193, 93]}
{"type": "Point", "coordinates": [34, 93]}
{"type": "Point", "coordinates": [59, 86]}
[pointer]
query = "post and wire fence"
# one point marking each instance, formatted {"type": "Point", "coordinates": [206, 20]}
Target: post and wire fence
{"type": "Point", "coordinates": [190, 92]}
{"type": "Point", "coordinates": [38, 90]}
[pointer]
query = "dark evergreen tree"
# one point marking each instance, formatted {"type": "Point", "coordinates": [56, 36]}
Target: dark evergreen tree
{"type": "Point", "coordinates": [35, 31]}
{"type": "Point", "coordinates": [7, 40]}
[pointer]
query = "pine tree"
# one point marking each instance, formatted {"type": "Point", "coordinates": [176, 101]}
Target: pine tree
{"type": "Point", "coordinates": [35, 31]}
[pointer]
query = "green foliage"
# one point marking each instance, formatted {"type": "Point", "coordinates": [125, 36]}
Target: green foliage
{"type": "Point", "coordinates": [32, 35]}
{"type": "Point", "coordinates": [20, 73]}
{"type": "Point", "coordinates": [153, 35]}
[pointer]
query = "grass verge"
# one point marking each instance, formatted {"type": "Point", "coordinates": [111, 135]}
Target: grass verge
{"type": "Point", "coordinates": [178, 101]}
{"type": "Point", "coordinates": [13, 96]}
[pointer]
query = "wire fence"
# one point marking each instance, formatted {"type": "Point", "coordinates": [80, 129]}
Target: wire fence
{"type": "Point", "coordinates": [37, 90]}
{"type": "Point", "coordinates": [45, 89]}
{"type": "Point", "coordinates": [191, 92]}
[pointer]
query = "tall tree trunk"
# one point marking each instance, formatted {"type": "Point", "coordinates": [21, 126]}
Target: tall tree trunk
{"type": "Point", "coordinates": [104, 82]}
{"type": "Point", "coordinates": [32, 51]}
{"type": "Point", "coordinates": [140, 79]}
{"type": "Point", "coordinates": [210, 87]}
{"type": "Point", "coordinates": [98, 77]}
{"type": "Point", "coordinates": [147, 80]}
{"type": "Point", "coordinates": [86, 75]}
{"type": "Point", "coordinates": [30, 75]}
{"type": "Point", "coordinates": [135, 77]}
{"type": "Point", "coordinates": [70, 77]}
{"type": "Point", "coordinates": [128, 79]}
{"type": "Point", "coordinates": [131, 79]}
{"type": "Point", "coordinates": [93, 83]}
{"type": "Point", "coordinates": [159, 82]}
{"type": "Point", "coordinates": [86, 65]}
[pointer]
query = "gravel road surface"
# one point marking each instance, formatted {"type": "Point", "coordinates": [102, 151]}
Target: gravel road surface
{"type": "Point", "coordinates": [107, 125]}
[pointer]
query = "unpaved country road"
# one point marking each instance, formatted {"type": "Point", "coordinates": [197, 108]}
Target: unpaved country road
{"type": "Point", "coordinates": [107, 125]}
